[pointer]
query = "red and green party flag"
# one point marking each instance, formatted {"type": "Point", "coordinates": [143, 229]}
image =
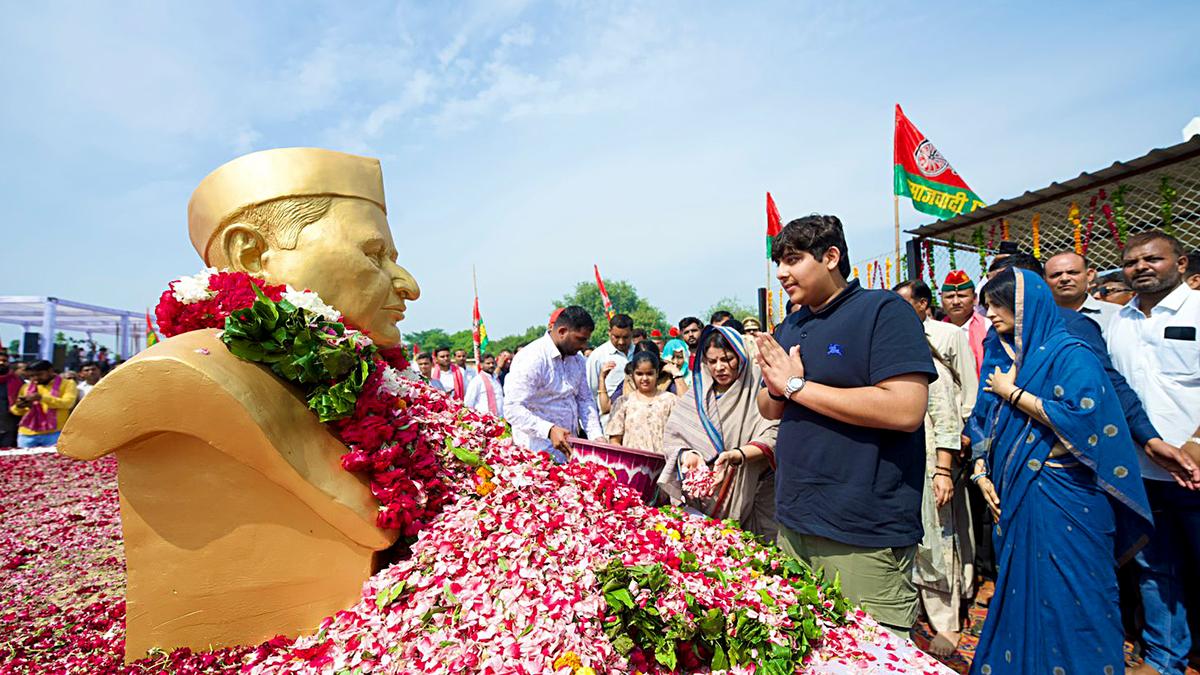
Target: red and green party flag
{"type": "Point", "coordinates": [479, 335]}
{"type": "Point", "coordinates": [151, 336]}
{"type": "Point", "coordinates": [774, 223]}
{"type": "Point", "coordinates": [924, 175]}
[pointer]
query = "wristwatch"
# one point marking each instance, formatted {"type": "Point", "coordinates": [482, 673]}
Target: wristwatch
{"type": "Point", "coordinates": [794, 384]}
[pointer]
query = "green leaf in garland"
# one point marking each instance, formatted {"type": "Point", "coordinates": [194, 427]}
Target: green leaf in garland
{"type": "Point", "coordinates": [1166, 209]}
{"type": "Point", "coordinates": [719, 660]}
{"type": "Point", "coordinates": [665, 654]}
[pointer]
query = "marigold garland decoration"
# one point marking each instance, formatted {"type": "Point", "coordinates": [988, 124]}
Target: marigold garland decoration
{"type": "Point", "coordinates": [1077, 227]}
{"type": "Point", "coordinates": [888, 276]}
{"type": "Point", "coordinates": [855, 271]}
{"type": "Point", "coordinates": [1004, 229]}
{"type": "Point", "coordinates": [953, 259]}
{"type": "Point", "coordinates": [1036, 230]}
{"type": "Point", "coordinates": [1169, 195]}
{"type": "Point", "coordinates": [991, 242]}
{"type": "Point", "coordinates": [870, 273]}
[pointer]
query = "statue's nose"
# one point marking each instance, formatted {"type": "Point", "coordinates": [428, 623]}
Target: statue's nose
{"type": "Point", "coordinates": [404, 283]}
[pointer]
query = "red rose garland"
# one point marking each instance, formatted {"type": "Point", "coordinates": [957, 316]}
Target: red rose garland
{"type": "Point", "coordinates": [410, 479]}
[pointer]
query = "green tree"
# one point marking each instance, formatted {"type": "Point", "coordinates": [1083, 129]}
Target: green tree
{"type": "Point", "coordinates": [733, 305]}
{"type": "Point", "coordinates": [428, 339]}
{"type": "Point", "coordinates": [511, 342]}
{"type": "Point", "coordinates": [625, 300]}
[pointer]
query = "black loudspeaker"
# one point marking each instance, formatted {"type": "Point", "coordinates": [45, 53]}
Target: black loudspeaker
{"type": "Point", "coordinates": [32, 346]}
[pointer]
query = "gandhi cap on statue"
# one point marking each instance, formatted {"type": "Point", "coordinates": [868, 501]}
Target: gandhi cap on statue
{"type": "Point", "coordinates": [268, 175]}
{"type": "Point", "coordinates": [311, 218]}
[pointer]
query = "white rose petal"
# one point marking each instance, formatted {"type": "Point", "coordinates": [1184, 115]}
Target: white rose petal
{"type": "Point", "coordinates": [188, 290]}
{"type": "Point", "coordinates": [392, 381]}
{"type": "Point", "coordinates": [311, 302]}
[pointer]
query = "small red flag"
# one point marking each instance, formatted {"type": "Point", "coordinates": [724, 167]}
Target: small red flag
{"type": "Point", "coordinates": [608, 307]}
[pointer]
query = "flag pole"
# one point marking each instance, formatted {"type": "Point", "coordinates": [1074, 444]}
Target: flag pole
{"type": "Point", "coordinates": [474, 323]}
{"type": "Point", "coordinates": [770, 324]}
{"type": "Point", "coordinates": [896, 213]}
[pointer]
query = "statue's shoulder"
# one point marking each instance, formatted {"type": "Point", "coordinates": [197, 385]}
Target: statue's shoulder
{"type": "Point", "coordinates": [191, 385]}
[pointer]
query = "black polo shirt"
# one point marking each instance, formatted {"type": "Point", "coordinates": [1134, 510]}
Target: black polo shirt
{"type": "Point", "coordinates": [852, 484]}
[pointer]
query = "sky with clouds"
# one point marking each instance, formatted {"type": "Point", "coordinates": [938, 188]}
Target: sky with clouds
{"type": "Point", "coordinates": [532, 140]}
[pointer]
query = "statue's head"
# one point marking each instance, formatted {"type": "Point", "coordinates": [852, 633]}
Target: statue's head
{"type": "Point", "coordinates": [312, 218]}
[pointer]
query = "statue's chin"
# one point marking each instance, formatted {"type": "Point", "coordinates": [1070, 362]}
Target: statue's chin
{"type": "Point", "coordinates": [388, 336]}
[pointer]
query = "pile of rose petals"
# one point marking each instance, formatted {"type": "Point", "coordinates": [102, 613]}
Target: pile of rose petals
{"type": "Point", "coordinates": [502, 581]}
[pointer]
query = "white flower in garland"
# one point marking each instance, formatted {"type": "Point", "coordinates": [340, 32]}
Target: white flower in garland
{"type": "Point", "coordinates": [392, 381]}
{"type": "Point", "coordinates": [311, 302]}
{"type": "Point", "coordinates": [188, 290]}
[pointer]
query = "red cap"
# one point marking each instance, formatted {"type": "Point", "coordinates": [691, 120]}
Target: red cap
{"type": "Point", "coordinates": [656, 333]}
{"type": "Point", "coordinates": [554, 315]}
{"type": "Point", "coordinates": [674, 332]}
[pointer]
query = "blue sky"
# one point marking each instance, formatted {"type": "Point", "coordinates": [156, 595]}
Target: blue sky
{"type": "Point", "coordinates": [535, 139]}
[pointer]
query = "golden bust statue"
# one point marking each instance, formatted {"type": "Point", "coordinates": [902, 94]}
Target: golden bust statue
{"type": "Point", "coordinates": [239, 523]}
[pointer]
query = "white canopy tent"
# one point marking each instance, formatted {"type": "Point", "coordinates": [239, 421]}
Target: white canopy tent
{"type": "Point", "coordinates": [48, 316]}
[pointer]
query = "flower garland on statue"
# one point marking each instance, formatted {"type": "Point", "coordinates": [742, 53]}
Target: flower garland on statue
{"type": "Point", "coordinates": [516, 563]}
{"type": "Point", "coordinates": [352, 385]}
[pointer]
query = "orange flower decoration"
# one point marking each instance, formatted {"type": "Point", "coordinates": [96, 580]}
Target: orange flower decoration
{"type": "Point", "coordinates": [484, 473]}
{"type": "Point", "coordinates": [485, 488]}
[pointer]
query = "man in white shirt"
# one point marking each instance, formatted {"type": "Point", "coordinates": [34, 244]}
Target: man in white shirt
{"type": "Point", "coordinates": [547, 397]}
{"type": "Point", "coordinates": [89, 374]}
{"type": "Point", "coordinates": [1153, 343]}
{"type": "Point", "coordinates": [484, 392]}
{"type": "Point", "coordinates": [617, 349]}
{"type": "Point", "coordinates": [460, 360]}
{"type": "Point", "coordinates": [953, 349]}
{"type": "Point", "coordinates": [451, 375]}
{"type": "Point", "coordinates": [424, 363]}
{"type": "Point", "coordinates": [1069, 278]}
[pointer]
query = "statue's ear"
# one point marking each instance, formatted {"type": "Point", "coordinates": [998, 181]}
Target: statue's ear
{"type": "Point", "coordinates": [243, 247]}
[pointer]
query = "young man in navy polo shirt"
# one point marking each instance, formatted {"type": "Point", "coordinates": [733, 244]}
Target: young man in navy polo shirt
{"type": "Point", "coordinates": [848, 374]}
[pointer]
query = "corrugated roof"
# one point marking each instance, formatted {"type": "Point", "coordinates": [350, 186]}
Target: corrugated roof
{"type": "Point", "coordinates": [1151, 161]}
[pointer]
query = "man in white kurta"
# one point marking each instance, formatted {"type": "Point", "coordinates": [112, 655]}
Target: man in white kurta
{"type": "Point", "coordinates": [547, 396]}
{"type": "Point", "coordinates": [484, 392]}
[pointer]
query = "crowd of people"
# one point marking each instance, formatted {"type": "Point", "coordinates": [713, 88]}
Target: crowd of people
{"type": "Point", "coordinates": [1038, 431]}
{"type": "Point", "coordinates": [36, 399]}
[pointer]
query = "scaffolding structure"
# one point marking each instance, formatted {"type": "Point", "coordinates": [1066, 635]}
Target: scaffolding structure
{"type": "Point", "coordinates": [48, 316]}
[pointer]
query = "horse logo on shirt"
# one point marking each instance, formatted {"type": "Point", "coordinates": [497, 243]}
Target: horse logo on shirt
{"type": "Point", "coordinates": [834, 349]}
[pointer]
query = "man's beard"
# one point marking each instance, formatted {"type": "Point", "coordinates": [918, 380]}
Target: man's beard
{"type": "Point", "coordinates": [1159, 284]}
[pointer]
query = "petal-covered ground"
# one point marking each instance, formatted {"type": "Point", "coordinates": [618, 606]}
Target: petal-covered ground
{"type": "Point", "coordinates": [64, 581]}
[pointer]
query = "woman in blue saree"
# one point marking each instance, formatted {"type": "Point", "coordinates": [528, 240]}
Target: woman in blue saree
{"type": "Point", "coordinates": [1061, 473]}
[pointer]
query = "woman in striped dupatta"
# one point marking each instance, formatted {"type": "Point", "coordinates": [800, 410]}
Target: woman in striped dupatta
{"type": "Point", "coordinates": [718, 424]}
